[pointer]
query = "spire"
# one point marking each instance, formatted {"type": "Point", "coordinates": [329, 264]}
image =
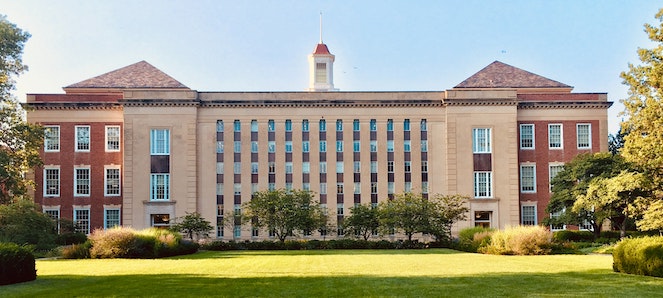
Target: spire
{"type": "Point", "coordinates": [321, 67]}
{"type": "Point", "coordinates": [320, 27]}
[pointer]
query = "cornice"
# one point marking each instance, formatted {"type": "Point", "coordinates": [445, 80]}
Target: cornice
{"type": "Point", "coordinates": [565, 105]}
{"type": "Point", "coordinates": [159, 103]}
{"type": "Point", "coordinates": [319, 103]}
{"type": "Point", "coordinates": [72, 106]}
{"type": "Point", "coordinates": [474, 102]}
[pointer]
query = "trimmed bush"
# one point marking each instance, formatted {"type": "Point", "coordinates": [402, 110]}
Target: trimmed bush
{"type": "Point", "coordinates": [123, 242]}
{"type": "Point", "coordinates": [642, 256]}
{"type": "Point", "coordinates": [575, 236]}
{"type": "Point", "coordinates": [17, 264]}
{"type": "Point", "coordinates": [471, 239]}
{"type": "Point", "coordinates": [519, 240]}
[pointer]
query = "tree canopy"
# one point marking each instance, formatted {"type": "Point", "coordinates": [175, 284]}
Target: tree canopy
{"type": "Point", "coordinates": [192, 224]}
{"type": "Point", "coordinates": [363, 221]}
{"type": "Point", "coordinates": [19, 141]}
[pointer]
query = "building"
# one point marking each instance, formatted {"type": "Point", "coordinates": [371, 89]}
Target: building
{"type": "Point", "coordinates": [136, 147]}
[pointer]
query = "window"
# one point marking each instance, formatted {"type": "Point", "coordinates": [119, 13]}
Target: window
{"type": "Point", "coordinates": [270, 125]}
{"type": "Point", "coordinates": [482, 218]}
{"type": "Point", "coordinates": [323, 167]}
{"type": "Point", "coordinates": [527, 178]}
{"type": "Point", "coordinates": [406, 125]}
{"type": "Point", "coordinates": [55, 215]}
{"type": "Point", "coordinates": [390, 146]}
{"type": "Point", "coordinates": [321, 72]}
{"type": "Point", "coordinates": [407, 146]}
{"type": "Point", "coordinates": [306, 167]}
{"type": "Point", "coordinates": [288, 186]}
{"type": "Point", "coordinates": [271, 146]}
{"type": "Point", "coordinates": [553, 170]}
{"type": "Point", "coordinates": [306, 186]}
{"type": "Point", "coordinates": [254, 168]}
{"type": "Point", "coordinates": [323, 125]}
{"type": "Point", "coordinates": [272, 167]}
{"type": "Point", "coordinates": [82, 220]}
{"type": "Point", "coordinates": [527, 136]}
{"type": "Point", "coordinates": [51, 182]}
{"type": "Point", "coordinates": [237, 189]}
{"type": "Point", "coordinates": [555, 215]}
{"type": "Point", "coordinates": [424, 186]}
{"type": "Point", "coordinates": [82, 138]}
{"type": "Point", "coordinates": [288, 125]}
{"type": "Point", "coordinates": [390, 125]}
{"type": "Point", "coordinates": [374, 187]}
{"type": "Point", "coordinates": [254, 146]}
{"type": "Point", "coordinates": [390, 166]}
{"type": "Point", "coordinates": [423, 125]}
{"type": "Point", "coordinates": [306, 146]}
{"type": "Point", "coordinates": [528, 215]}
{"type": "Point", "coordinates": [584, 136]}
{"type": "Point", "coordinates": [339, 209]}
{"type": "Point", "coordinates": [339, 125]}
{"type": "Point", "coordinates": [305, 126]}
{"type": "Point", "coordinates": [237, 167]}
{"type": "Point", "coordinates": [357, 188]}
{"type": "Point", "coordinates": [81, 182]}
{"type": "Point", "coordinates": [339, 146]}
{"type": "Point", "coordinates": [219, 167]}
{"type": "Point", "coordinates": [237, 231]}
{"type": "Point", "coordinates": [483, 187]}
{"type": "Point", "coordinates": [237, 126]}
{"type": "Point", "coordinates": [288, 167]}
{"type": "Point", "coordinates": [391, 189]}
{"type": "Point", "coordinates": [424, 145]}
{"type": "Point", "coordinates": [219, 147]}
{"type": "Point", "coordinates": [159, 187]}
{"type": "Point", "coordinates": [374, 146]}
{"type": "Point", "coordinates": [356, 145]}
{"type": "Point", "coordinates": [357, 166]}
{"type": "Point", "coordinates": [219, 189]}
{"type": "Point", "coordinates": [355, 125]}
{"type": "Point", "coordinates": [408, 186]}
{"type": "Point", "coordinates": [408, 166]}
{"type": "Point", "coordinates": [374, 166]}
{"type": "Point", "coordinates": [481, 140]}
{"type": "Point", "coordinates": [339, 189]}
{"type": "Point", "coordinates": [339, 167]}
{"type": "Point", "coordinates": [288, 146]}
{"type": "Point", "coordinates": [113, 138]}
{"type": "Point", "coordinates": [323, 146]}
{"type": "Point", "coordinates": [237, 146]}
{"type": "Point", "coordinates": [424, 166]}
{"type": "Point", "coordinates": [111, 218]}
{"type": "Point", "coordinates": [160, 220]}
{"type": "Point", "coordinates": [323, 188]}
{"type": "Point", "coordinates": [254, 125]}
{"type": "Point", "coordinates": [271, 186]}
{"type": "Point", "coordinates": [219, 125]}
{"type": "Point", "coordinates": [160, 142]}
{"type": "Point", "coordinates": [555, 136]}
{"type": "Point", "coordinates": [373, 125]}
{"type": "Point", "coordinates": [112, 181]}
{"type": "Point", "coordinates": [51, 138]}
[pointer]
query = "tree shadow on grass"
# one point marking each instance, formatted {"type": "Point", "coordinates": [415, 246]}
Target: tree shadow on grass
{"type": "Point", "coordinates": [244, 253]}
{"type": "Point", "coordinates": [596, 283]}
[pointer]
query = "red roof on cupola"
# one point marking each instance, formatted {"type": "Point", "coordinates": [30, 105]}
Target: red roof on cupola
{"type": "Point", "coordinates": [321, 49]}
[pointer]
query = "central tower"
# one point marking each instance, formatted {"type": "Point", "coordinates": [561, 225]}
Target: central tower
{"type": "Point", "coordinates": [321, 67]}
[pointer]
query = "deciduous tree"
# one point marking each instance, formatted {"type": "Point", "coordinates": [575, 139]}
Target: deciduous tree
{"type": "Point", "coordinates": [363, 221]}
{"type": "Point", "coordinates": [192, 224]}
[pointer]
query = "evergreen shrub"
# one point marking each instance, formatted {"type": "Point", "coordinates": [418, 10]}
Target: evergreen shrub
{"type": "Point", "coordinates": [17, 264]}
{"type": "Point", "coordinates": [642, 256]}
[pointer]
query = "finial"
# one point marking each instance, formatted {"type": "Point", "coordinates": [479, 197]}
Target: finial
{"type": "Point", "coordinates": [321, 26]}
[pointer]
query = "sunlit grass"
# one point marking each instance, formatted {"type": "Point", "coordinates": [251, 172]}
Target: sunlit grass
{"type": "Point", "coordinates": [347, 273]}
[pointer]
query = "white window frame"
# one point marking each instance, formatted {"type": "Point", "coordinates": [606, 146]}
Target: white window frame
{"type": "Point", "coordinates": [482, 140]}
{"type": "Point", "coordinates": [306, 146]}
{"type": "Point", "coordinates": [113, 138]}
{"type": "Point", "coordinates": [306, 167]}
{"type": "Point", "coordinates": [323, 188]}
{"type": "Point", "coordinates": [254, 146]}
{"type": "Point", "coordinates": [406, 125]}
{"type": "Point", "coordinates": [80, 138]}
{"type": "Point", "coordinates": [374, 146]}
{"type": "Point", "coordinates": [106, 217]}
{"type": "Point", "coordinates": [54, 213]}
{"type": "Point", "coordinates": [479, 191]}
{"type": "Point", "coordinates": [407, 146]}
{"type": "Point", "coordinates": [237, 167]}
{"type": "Point", "coordinates": [154, 185]}
{"type": "Point", "coordinates": [356, 146]}
{"type": "Point", "coordinates": [561, 136]}
{"type": "Point", "coordinates": [339, 146]}
{"type": "Point", "coordinates": [254, 125]}
{"type": "Point", "coordinates": [271, 146]}
{"type": "Point", "coordinates": [339, 167]}
{"type": "Point", "coordinates": [424, 145]}
{"type": "Point", "coordinates": [254, 168]}
{"type": "Point", "coordinates": [589, 135]}
{"type": "Point", "coordinates": [550, 171]}
{"type": "Point", "coordinates": [76, 181]}
{"type": "Point", "coordinates": [51, 140]}
{"type": "Point", "coordinates": [219, 167]}
{"type": "Point", "coordinates": [160, 141]}
{"type": "Point", "coordinates": [237, 147]}
{"type": "Point", "coordinates": [530, 221]}
{"type": "Point", "coordinates": [46, 184]}
{"type": "Point", "coordinates": [85, 229]}
{"type": "Point", "coordinates": [523, 187]}
{"type": "Point", "coordinates": [357, 167]}
{"type": "Point", "coordinates": [305, 125]}
{"type": "Point", "coordinates": [323, 167]}
{"type": "Point", "coordinates": [533, 138]}
{"type": "Point", "coordinates": [390, 145]}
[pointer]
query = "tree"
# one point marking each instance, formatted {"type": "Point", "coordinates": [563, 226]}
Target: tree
{"type": "Point", "coordinates": [407, 212]}
{"type": "Point", "coordinates": [284, 212]}
{"type": "Point", "coordinates": [19, 141]}
{"type": "Point", "coordinates": [192, 224]}
{"type": "Point", "coordinates": [363, 221]}
{"type": "Point", "coordinates": [644, 117]}
{"type": "Point", "coordinates": [445, 212]}
{"type": "Point", "coordinates": [23, 223]}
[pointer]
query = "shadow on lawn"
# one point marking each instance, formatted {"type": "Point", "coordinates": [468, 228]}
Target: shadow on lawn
{"type": "Point", "coordinates": [597, 283]}
{"type": "Point", "coordinates": [240, 253]}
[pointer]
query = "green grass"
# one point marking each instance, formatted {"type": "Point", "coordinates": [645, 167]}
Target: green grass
{"type": "Point", "coordinates": [342, 273]}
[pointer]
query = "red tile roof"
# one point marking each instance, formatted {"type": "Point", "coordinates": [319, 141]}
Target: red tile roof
{"type": "Point", "coordinates": [137, 75]}
{"type": "Point", "coordinates": [321, 49]}
{"type": "Point", "coordinates": [501, 75]}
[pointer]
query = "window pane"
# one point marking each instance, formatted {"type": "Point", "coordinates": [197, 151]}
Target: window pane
{"type": "Point", "coordinates": [52, 138]}
{"type": "Point", "coordinates": [527, 178]}
{"type": "Point", "coordinates": [112, 138]}
{"type": "Point", "coordinates": [555, 136]}
{"type": "Point", "coordinates": [82, 138]}
{"type": "Point", "coordinates": [527, 136]}
{"type": "Point", "coordinates": [584, 136]}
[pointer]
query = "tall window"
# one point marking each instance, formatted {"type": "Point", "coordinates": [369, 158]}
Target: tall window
{"type": "Point", "coordinates": [424, 125]}
{"type": "Point", "coordinates": [270, 125]}
{"type": "Point", "coordinates": [407, 146]}
{"type": "Point", "coordinates": [390, 146]}
{"type": "Point", "coordinates": [339, 189]}
{"type": "Point", "coordinates": [483, 185]}
{"type": "Point", "coordinates": [355, 125]}
{"type": "Point", "coordinates": [390, 166]}
{"type": "Point", "coordinates": [374, 166]}
{"type": "Point", "coordinates": [391, 188]}
{"type": "Point", "coordinates": [237, 125]}
{"type": "Point", "coordinates": [288, 167]}
{"type": "Point", "coordinates": [481, 140]}
{"type": "Point", "coordinates": [339, 146]}
{"type": "Point", "coordinates": [339, 167]}
{"type": "Point", "coordinates": [254, 168]}
{"type": "Point", "coordinates": [219, 125]}
{"type": "Point", "coordinates": [408, 186]}
{"type": "Point", "coordinates": [237, 167]}
{"type": "Point", "coordinates": [288, 146]}
{"type": "Point", "coordinates": [407, 166]}
{"type": "Point", "coordinates": [323, 167]}
{"type": "Point", "coordinates": [55, 215]}
{"type": "Point", "coordinates": [219, 147]}
{"type": "Point", "coordinates": [271, 146]}
{"type": "Point", "coordinates": [357, 167]}
{"type": "Point", "coordinates": [111, 218]}
{"type": "Point", "coordinates": [112, 182]}
{"type": "Point", "coordinates": [51, 182]}
{"type": "Point", "coordinates": [374, 146]}
{"type": "Point", "coordinates": [160, 142]}
{"type": "Point", "coordinates": [554, 169]}
{"type": "Point", "coordinates": [81, 181]}
{"type": "Point", "coordinates": [323, 125]}
{"type": "Point", "coordinates": [271, 167]}
{"type": "Point", "coordinates": [424, 145]}
{"type": "Point", "coordinates": [237, 146]}
{"type": "Point", "coordinates": [339, 125]}
{"type": "Point", "coordinates": [373, 125]}
{"type": "Point", "coordinates": [555, 136]}
{"type": "Point", "coordinates": [306, 146]}
{"type": "Point", "coordinates": [254, 125]}
{"type": "Point", "coordinates": [113, 138]}
{"type": "Point", "coordinates": [406, 125]}
{"type": "Point", "coordinates": [357, 188]}
{"type": "Point", "coordinates": [159, 187]}
{"type": "Point", "coordinates": [51, 138]}
{"type": "Point", "coordinates": [254, 146]}
{"type": "Point", "coordinates": [82, 220]}
{"type": "Point", "coordinates": [527, 178]}
{"type": "Point", "coordinates": [321, 72]}
{"type": "Point", "coordinates": [323, 146]}
{"type": "Point", "coordinates": [528, 215]}
{"type": "Point", "coordinates": [584, 135]}
{"type": "Point", "coordinates": [356, 145]}
{"type": "Point", "coordinates": [424, 186]}
{"type": "Point", "coordinates": [323, 188]}
{"type": "Point", "coordinates": [527, 136]}
{"type": "Point", "coordinates": [305, 126]}
{"type": "Point", "coordinates": [82, 138]}
{"type": "Point", "coordinates": [288, 125]}
{"type": "Point", "coordinates": [306, 167]}
{"type": "Point", "coordinates": [424, 166]}
{"type": "Point", "coordinates": [390, 125]}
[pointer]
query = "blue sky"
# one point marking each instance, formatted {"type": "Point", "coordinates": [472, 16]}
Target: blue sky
{"type": "Point", "coordinates": [379, 45]}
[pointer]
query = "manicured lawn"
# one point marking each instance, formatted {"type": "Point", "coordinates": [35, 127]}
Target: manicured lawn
{"type": "Point", "coordinates": [345, 273]}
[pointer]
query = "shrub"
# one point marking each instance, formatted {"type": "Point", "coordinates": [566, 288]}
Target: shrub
{"type": "Point", "coordinates": [471, 239]}
{"type": "Point", "coordinates": [77, 251]}
{"type": "Point", "coordinates": [17, 264]}
{"type": "Point", "coordinates": [642, 256]}
{"type": "Point", "coordinates": [127, 243]}
{"type": "Point", "coordinates": [71, 238]}
{"type": "Point", "coordinates": [519, 240]}
{"type": "Point", "coordinates": [575, 236]}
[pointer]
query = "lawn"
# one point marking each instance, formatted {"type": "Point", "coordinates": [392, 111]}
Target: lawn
{"type": "Point", "coordinates": [346, 273]}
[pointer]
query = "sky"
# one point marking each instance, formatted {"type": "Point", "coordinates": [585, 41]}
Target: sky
{"type": "Point", "coordinates": [263, 45]}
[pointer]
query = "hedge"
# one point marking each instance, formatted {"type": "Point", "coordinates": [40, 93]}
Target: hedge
{"type": "Point", "coordinates": [17, 264]}
{"type": "Point", "coordinates": [642, 256]}
{"type": "Point", "coordinates": [220, 245]}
